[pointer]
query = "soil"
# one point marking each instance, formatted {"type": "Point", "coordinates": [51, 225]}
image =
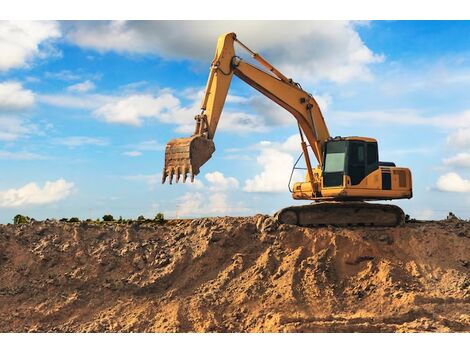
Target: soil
{"type": "Point", "coordinates": [234, 275]}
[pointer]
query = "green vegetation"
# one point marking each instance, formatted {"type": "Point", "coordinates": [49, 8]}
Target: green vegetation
{"type": "Point", "coordinates": [21, 219]}
{"type": "Point", "coordinates": [108, 217]}
{"type": "Point", "coordinates": [159, 218]}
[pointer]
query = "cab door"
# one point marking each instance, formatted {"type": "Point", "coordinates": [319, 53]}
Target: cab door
{"type": "Point", "coordinates": [356, 161]}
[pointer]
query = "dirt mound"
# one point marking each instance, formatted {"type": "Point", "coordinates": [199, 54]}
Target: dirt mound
{"type": "Point", "coordinates": [234, 274]}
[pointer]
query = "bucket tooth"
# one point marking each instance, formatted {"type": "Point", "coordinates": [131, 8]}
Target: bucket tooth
{"type": "Point", "coordinates": [170, 176]}
{"type": "Point", "coordinates": [177, 174]}
{"type": "Point", "coordinates": [185, 174]}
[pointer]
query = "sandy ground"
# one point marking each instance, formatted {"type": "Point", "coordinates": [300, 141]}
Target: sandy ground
{"type": "Point", "coordinates": [234, 274]}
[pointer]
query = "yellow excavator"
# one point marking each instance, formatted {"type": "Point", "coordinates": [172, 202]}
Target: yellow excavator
{"type": "Point", "coordinates": [348, 173]}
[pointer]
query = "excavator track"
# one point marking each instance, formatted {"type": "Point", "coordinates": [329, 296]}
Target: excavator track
{"type": "Point", "coordinates": [342, 214]}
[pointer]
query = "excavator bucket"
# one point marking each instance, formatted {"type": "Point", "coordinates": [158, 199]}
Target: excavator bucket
{"type": "Point", "coordinates": [184, 156]}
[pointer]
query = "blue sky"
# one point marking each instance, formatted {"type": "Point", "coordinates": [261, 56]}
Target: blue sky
{"type": "Point", "coordinates": [87, 107]}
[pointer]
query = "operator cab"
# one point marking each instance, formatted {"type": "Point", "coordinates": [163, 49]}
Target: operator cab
{"type": "Point", "coordinates": [355, 157]}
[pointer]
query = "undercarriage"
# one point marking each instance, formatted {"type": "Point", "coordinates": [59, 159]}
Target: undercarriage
{"type": "Point", "coordinates": [352, 213]}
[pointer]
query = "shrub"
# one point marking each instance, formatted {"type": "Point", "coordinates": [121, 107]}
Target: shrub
{"type": "Point", "coordinates": [20, 219]}
{"type": "Point", "coordinates": [74, 219]}
{"type": "Point", "coordinates": [64, 220]}
{"type": "Point", "coordinates": [141, 218]}
{"type": "Point", "coordinates": [108, 217]}
{"type": "Point", "coordinates": [159, 218]}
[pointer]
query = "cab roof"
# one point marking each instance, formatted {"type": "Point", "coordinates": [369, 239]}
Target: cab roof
{"type": "Point", "coordinates": [353, 138]}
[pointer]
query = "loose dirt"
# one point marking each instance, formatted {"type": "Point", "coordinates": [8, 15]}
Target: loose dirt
{"type": "Point", "coordinates": [234, 275]}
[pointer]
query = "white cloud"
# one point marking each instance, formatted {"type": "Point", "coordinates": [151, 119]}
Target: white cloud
{"type": "Point", "coordinates": [14, 97]}
{"type": "Point", "coordinates": [330, 50]}
{"type": "Point", "coordinates": [290, 145]}
{"type": "Point", "coordinates": [276, 160]}
{"type": "Point", "coordinates": [460, 160]}
{"type": "Point", "coordinates": [20, 155]}
{"type": "Point", "coordinates": [452, 182]}
{"type": "Point", "coordinates": [64, 75]}
{"type": "Point", "coordinates": [219, 182]}
{"type": "Point", "coordinates": [133, 153]}
{"type": "Point", "coordinates": [197, 203]}
{"type": "Point", "coordinates": [77, 141]}
{"type": "Point", "coordinates": [165, 107]}
{"type": "Point", "coordinates": [276, 167]}
{"type": "Point", "coordinates": [12, 128]}
{"type": "Point", "coordinates": [14, 102]}
{"type": "Point", "coordinates": [460, 138]}
{"type": "Point", "coordinates": [32, 194]}
{"type": "Point", "coordinates": [21, 41]}
{"type": "Point", "coordinates": [241, 122]}
{"type": "Point", "coordinates": [82, 87]}
{"type": "Point", "coordinates": [133, 109]}
{"type": "Point", "coordinates": [233, 121]}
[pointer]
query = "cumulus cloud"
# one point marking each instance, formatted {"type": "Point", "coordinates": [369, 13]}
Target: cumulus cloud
{"type": "Point", "coordinates": [164, 107]}
{"type": "Point", "coordinates": [14, 102]}
{"type": "Point", "coordinates": [330, 50]}
{"type": "Point", "coordinates": [230, 120]}
{"type": "Point", "coordinates": [14, 97]}
{"type": "Point", "coordinates": [459, 160]}
{"type": "Point", "coordinates": [276, 160]}
{"type": "Point", "coordinates": [218, 181]}
{"type": "Point", "coordinates": [133, 109]}
{"type": "Point", "coordinates": [199, 204]}
{"type": "Point", "coordinates": [452, 182]}
{"type": "Point", "coordinates": [21, 41]}
{"type": "Point", "coordinates": [461, 137]}
{"type": "Point", "coordinates": [32, 194]}
{"type": "Point", "coordinates": [12, 128]}
{"type": "Point", "coordinates": [82, 87]}
{"type": "Point", "coordinates": [276, 167]}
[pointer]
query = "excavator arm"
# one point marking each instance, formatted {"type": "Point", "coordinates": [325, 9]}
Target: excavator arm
{"type": "Point", "coordinates": [185, 156]}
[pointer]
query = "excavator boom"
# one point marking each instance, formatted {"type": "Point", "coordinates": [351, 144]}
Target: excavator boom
{"type": "Point", "coordinates": [186, 155]}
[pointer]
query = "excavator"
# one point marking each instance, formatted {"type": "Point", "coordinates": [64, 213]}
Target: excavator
{"type": "Point", "coordinates": [348, 175]}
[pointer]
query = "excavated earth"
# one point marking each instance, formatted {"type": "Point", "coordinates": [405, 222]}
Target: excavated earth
{"type": "Point", "coordinates": [234, 275]}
